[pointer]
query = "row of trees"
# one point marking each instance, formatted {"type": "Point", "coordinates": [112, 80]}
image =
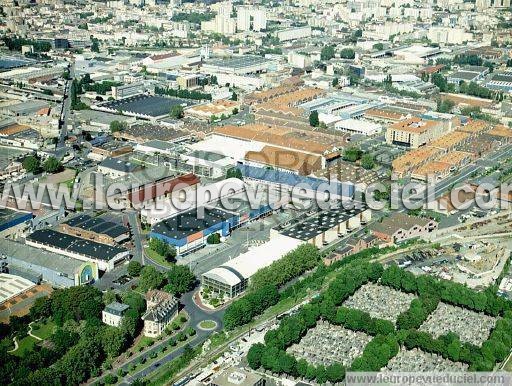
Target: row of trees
{"type": "Point", "coordinates": [167, 251]}
{"type": "Point", "coordinates": [358, 320]}
{"type": "Point", "coordinates": [447, 291]}
{"type": "Point", "coordinates": [329, 52]}
{"type": "Point", "coordinates": [81, 343]}
{"type": "Point", "coordinates": [177, 280]}
{"type": "Point", "coordinates": [100, 87]}
{"type": "Point", "coordinates": [273, 356]}
{"type": "Point", "coordinates": [377, 353]}
{"type": "Point", "coordinates": [185, 94]}
{"type": "Point", "coordinates": [32, 164]}
{"type": "Point", "coordinates": [449, 346]}
{"type": "Point", "coordinates": [15, 43]}
{"type": "Point", "coordinates": [418, 312]}
{"type": "Point", "coordinates": [291, 265]}
{"type": "Point", "coordinates": [254, 303]}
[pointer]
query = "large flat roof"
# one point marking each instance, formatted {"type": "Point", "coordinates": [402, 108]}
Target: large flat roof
{"type": "Point", "coordinates": [246, 265]}
{"type": "Point", "coordinates": [237, 62]}
{"type": "Point", "coordinates": [151, 105]}
{"type": "Point", "coordinates": [40, 257]}
{"type": "Point", "coordinates": [320, 222]}
{"type": "Point", "coordinates": [189, 222]}
{"type": "Point", "coordinates": [74, 244]}
{"type": "Point", "coordinates": [12, 285]}
{"type": "Point", "coordinates": [97, 225]}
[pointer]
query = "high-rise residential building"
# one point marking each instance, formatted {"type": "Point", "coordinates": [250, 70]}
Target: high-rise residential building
{"type": "Point", "coordinates": [251, 19]}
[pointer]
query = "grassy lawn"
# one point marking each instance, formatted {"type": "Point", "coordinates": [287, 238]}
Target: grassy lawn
{"type": "Point", "coordinates": [143, 342]}
{"type": "Point", "coordinates": [207, 324]}
{"type": "Point", "coordinates": [157, 258]}
{"type": "Point", "coordinates": [45, 330]}
{"type": "Point", "coordinates": [25, 345]}
{"type": "Point", "coordinates": [508, 365]}
{"type": "Point", "coordinates": [161, 354]}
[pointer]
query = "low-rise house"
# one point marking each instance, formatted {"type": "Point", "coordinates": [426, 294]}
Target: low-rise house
{"type": "Point", "coordinates": [113, 314]}
{"type": "Point", "coordinates": [162, 308]}
{"type": "Point", "coordinates": [400, 227]}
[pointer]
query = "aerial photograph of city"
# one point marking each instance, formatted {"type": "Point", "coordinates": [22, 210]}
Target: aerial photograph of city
{"type": "Point", "coordinates": [255, 192]}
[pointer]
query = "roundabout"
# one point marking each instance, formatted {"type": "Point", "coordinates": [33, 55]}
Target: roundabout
{"type": "Point", "coordinates": [207, 325]}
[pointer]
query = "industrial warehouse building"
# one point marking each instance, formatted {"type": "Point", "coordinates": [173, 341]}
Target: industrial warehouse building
{"type": "Point", "coordinates": [310, 187]}
{"type": "Point", "coordinates": [238, 65]}
{"type": "Point", "coordinates": [189, 230]}
{"type": "Point", "coordinates": [96, 229]}
{"type": "Point", "coordinates": [39, 264]}
{"type": "Point", "coordinates": [106, 257]}
{"type": "Point", "coordinates": [11, 221]}
{"type": "Point", "coordinates": [233, 277]}
{"type": "Point", "coordinates": [323, 227]}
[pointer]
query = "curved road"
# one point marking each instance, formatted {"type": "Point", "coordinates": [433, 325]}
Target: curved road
{"type": "Point", "coordinates": [196, 315]}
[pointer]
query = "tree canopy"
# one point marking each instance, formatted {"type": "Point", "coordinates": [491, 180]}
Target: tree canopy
{"type": "Point", "coordinates": [180, 279]}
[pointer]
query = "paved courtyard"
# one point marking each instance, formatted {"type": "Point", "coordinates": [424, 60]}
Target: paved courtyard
{"type": "Point", "coordinates": [380, 301]}
{"type": "Point", "coordinates": [470, 326]}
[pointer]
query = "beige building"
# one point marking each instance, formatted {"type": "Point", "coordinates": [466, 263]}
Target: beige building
{"type": "Point", "coordinates": [415, 132]}
{"type": "Point", "coordinates": [162, 308]}
{"type": "Point", "coordinates": [113, 314]}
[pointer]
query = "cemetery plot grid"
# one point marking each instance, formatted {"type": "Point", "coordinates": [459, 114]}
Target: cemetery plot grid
{"type": "Point", "coordinates": [379, 301]}
{"type": "Point", "coordinates": [327, 343]}
{"type": "Point", "coordinates": [470, 326]}
{"type": "Point", "coordinates": [416, 360]}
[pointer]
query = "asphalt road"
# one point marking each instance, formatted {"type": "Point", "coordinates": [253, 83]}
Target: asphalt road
{"type": "Point", "coordinates": [196, 315]}
{"type": "Point", "coordinates": [66, 108]}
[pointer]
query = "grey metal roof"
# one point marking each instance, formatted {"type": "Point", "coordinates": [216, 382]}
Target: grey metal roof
{"type": "Point", "coordinates": [75, 244]}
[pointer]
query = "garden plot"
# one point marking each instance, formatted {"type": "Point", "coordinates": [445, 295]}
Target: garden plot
{"type": "Point", "coordinates": [470, 326]}
{"type": "Point", "coordinates": [416, 360]}
{"type": "Point", "coordinates": [327, 343]}
{"type": "Point", "coordinates": [380, 301]}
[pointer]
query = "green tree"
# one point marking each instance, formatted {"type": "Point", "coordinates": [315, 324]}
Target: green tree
{"type": "Point", "coordinates": [335, 82]}
{"type": "Point", "coordinates": [150, 278]}
{"type": "Point", "coordinates": [31, 164]}
{"type": "Point", "coordinates": [41, 308]}
{"type": "Point", "coordinates": [352, 154]}
{"type": "Point", "coordinates": [313, 119]}
{"type": "Point", "coordinates": [113, 340]}
{"type": "Point", "coordinates": [440, 81]}
{"type": "Point", "coordinates": [109, 296]}
{"type": "Point", "coordinates": [52, 165]}
{"type": "Point", "coordinates": [116, 126]}
{"type": "Point", "coordinates": [367, 161]}
{"type": "Point", "coordinates": [95, 46]}
{"type": "Point", "coordinates": [234, 97]}
{"type": "Point", "coordinates": [254, 355]}
{"type": "Point", "coordinates": [378, 46]}
{"type": "Point", "coordinates": [162, 248]}
{"type": "Point", "coordinates": [214, 238]}
{"type": "Point", "coordinates": [176, 112]}
{"type": "Point", "coordinates": [327, 53]}
{"type": "Point", "coordinates": [347, 53]}
{"type": "Point", "coordinates": [180, 279]}
{"type": "Point", "coordinates": [335, 372]}
{"type": "Point", "coordinates": [134, 268]}
{"type": "Point", "coordinates": [234, 173]}
{"type": "Point", "coordinates": [445, 106]}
